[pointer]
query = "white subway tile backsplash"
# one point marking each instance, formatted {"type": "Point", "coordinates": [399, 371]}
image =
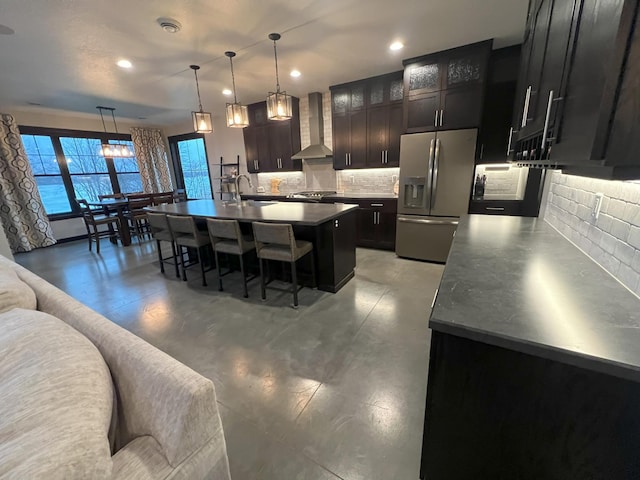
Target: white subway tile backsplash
{"type": "Point", "coordinates": [612, 240]}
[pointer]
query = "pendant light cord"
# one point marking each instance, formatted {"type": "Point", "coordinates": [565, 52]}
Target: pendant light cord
{"type": "Point", "coordinates": [102, 118]}
{"type": "Point", "coordinates": [233, 81]}
{"type": "Point", "coordinates": [114, 121]}
{"type": "Point", "coordinates": [275, 54]}
{"type": "Point", "coordinates": [195, 72]}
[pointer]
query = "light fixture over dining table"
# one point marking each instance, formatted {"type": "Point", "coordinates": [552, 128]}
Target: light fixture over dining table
{"type": "Point", "coordinates": [278, 103]}
{"type": "Point", "coordinates": [117, 148]}
{"type": "Point", "coordinates": [202, 122]}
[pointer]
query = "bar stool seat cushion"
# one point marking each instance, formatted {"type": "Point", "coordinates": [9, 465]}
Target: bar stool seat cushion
{"type": "Point", "coordinates": [234, 247]}
{"type": "Point", "coordinates": [199, 240]}
{"type": "Point", "coordinates": [164, 235]}
{"type": "Point", "coordinates": [283, 253]}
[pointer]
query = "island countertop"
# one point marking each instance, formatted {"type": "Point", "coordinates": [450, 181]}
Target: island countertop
{"type": "Point", "coordinates": [295, 213]}
{"type": "Point", "coordinates": [516, 283]}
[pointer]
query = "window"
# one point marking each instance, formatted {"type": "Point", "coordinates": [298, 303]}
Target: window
{"type": "Point", "coordinates": [67, 165]}
{"type": "Point", "coordinates": [44, 164]}
{"type": "Point", "coordinates": [191, 166]}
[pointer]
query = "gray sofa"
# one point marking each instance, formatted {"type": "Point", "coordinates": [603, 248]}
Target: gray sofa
{"type": "Point", "coordinates": [153, 417]}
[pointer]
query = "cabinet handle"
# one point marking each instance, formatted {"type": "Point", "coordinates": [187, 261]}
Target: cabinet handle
{"type": "Point", "coordinates": [435, 122]}
{"type": "Point", "coordinates": [441, 116]}
{"type": "Point", "coordinates": [385, 157]}
{"type": "Point", "coordinates": [481, 150]}
{"type": "Point", "coordinates": [496, 209]}
{"type": "Point", "coordinates": [382, 156]}
{"type": "Point", "coordinates": [545, 132]}
{"type": "Point", "coordinates": [525, 110]}
{"type": "Point", "coordinates": [377, 204]}
{"type": "Point", "coordinates": [511, 132]}
{"type": "Point", "coordinates": [349, 158]}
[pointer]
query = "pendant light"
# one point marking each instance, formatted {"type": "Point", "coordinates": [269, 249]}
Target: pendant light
{"type": "Point", "coordinates": [278, 103]}
{"type": "Point", "coordinates": [117, 149]}
{"type": "Point", "coordinates": [237, 114]}
{"type": "Point", "coordinates": [202, 122]}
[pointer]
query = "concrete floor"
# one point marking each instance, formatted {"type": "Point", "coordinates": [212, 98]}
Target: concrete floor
{"type": "Point", "coordinates": [335, 389]}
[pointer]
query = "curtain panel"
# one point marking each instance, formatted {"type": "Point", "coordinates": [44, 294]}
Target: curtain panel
{"type": "Point", "coordinates": [153, 160]}
{"type": "Point", "coordinates": [23, 216]}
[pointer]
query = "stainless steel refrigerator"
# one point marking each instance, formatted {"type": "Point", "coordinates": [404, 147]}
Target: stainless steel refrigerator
{"type": "Point", "coordinates": [436, 174]}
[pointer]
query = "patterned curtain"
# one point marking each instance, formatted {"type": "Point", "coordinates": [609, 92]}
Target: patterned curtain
{"type": "Point", "coordinates": [23, 216]}
{"type": "Point", "coordinates": [152, 160]}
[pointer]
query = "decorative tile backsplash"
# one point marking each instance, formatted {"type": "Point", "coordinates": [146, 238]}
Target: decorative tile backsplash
{"type": "Point", "coordinates": [372, 180]}
{"type": "Point", "coordinates": [613, 239]}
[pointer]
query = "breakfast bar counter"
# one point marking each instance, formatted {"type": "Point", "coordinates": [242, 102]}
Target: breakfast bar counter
{"type": "Point", "coordinates": [534, 367]}
{"type": "Point", "coordinates": [331, 228]}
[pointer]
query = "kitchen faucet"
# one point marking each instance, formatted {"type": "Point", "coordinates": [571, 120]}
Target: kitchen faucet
{"type": "Point", "coordinates": [237, 182]}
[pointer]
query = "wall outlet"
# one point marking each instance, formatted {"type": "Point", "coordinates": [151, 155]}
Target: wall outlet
{"type": "Point", "coordinates": [595, 213]}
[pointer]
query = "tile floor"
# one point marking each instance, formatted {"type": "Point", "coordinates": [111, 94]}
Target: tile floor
{"type": "Point", "coordinates": [335, 389]}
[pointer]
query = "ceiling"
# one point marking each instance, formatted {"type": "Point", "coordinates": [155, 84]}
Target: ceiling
{"type": "Point", "coordinates": [63, 52]}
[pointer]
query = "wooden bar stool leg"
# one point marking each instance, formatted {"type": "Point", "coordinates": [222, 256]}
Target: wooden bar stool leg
{"type": "Point", "coordinates": [263, 290]}
{"type": "Point", "coordinates": [201, 261]}
{"type": "Point", "coordinates": [244, 278]}
{"type": "Point", "coordinates": [219, 268]}
{"type": "Point", "coordinates": [184, 270]}
{"type": "Point", "coordinates": [175, 258]}
{"type": "Point", "coordinates": [97, 236]}
{"type": "Point", "coordinates": [294, 284]}
{"type": "Point", "coordinates": [160, 256]}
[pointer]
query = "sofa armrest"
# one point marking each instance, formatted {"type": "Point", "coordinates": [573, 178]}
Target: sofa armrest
{"type": "Point", "coordinates": [157, 395]}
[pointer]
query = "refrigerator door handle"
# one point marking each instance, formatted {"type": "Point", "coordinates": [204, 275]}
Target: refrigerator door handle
{"type": "Point", "coordinates": [426, 221]}
{"type": "Point", "coordinates": [434, 182]}
{"type": "Point", "coordinates": [429, 173]}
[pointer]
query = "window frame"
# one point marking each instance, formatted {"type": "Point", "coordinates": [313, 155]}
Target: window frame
{"type": "Point", "coordinates": [177, 164]}
{"type": "Point", "coordinates": [54, 134]}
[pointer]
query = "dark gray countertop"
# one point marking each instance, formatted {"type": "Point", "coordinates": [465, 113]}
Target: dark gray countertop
{"type": "Point", "coordinates": [295, 213]}
{"type": "Point", "coordinates": [336, 196]}
{"type": "Point", "coordinates": [515, 282]}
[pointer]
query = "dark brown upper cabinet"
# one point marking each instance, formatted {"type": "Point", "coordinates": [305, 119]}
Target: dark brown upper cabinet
{"type": "Point", "coordinates": [445, 90]}
{"type": "Point", "coordinates": [269, 144]}
{"type": "Point", "coordinates": [367, 122]}
{"type": "Point", "coordinates": [583, 111]}
{"type": "Point", "coordinates": [497, 114]}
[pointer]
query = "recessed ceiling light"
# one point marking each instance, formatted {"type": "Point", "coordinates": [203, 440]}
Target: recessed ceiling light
{"type": "Point", "coordinates": [124, 63]}
{"type": "Point", "coordinates": [4, 30]}
{"type": "Point", "coordinates": [169, 25]}
{"type": "Point", "coordinates": [226, 91]}
{"type": "Point", "coordinates": [295, 73]}
{"type": "Point", "coordinates": [396, 46]}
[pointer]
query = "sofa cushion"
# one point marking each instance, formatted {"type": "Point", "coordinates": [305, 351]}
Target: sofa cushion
{"type": "Point", "coordinates": [56, 400]}
{"type": "Point", "coordinates": [14, 293]}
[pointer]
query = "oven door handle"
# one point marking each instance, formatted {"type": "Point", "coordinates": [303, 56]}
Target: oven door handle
{"type": "Point", "coordinates": [426, 221]}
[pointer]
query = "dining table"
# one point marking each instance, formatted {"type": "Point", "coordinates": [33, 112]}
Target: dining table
{"type": "Point", "coordinates": [117, 206]}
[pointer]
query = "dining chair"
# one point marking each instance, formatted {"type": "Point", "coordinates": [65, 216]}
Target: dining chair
{"type": "Point", "coordinates": [160, 198]}
{"type": "Point", "coordinates": [180, 195]}
{"type": "Point", "coordinates": [186, 235]}
{"type": "Point", "coordinates": [93, 219]}
{"type": "Point", "coordinates": [115, 196]}
{"type": "Point", "coordinates": [137, 216]}
{"type": "Point", "coordinates": [276, 241]}
{"type": "Point", "coordinates": [227, 238]}
{"type": "Point", "coordinates": [161, 232]}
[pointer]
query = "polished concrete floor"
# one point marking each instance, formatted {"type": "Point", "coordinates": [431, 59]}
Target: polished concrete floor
{"type": "Point", "coordinates": [335, 389]}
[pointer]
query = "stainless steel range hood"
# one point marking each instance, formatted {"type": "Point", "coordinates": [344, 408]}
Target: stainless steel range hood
{"type": "Point", "coordinates": [317, 149]}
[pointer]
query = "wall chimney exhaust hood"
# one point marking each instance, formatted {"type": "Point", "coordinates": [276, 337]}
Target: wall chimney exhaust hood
{"type": "Point", "coordinates": [317, 149]}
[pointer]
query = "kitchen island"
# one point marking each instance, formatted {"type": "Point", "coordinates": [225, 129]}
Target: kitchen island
{"type": "Point", "coordinates": [331, 229]}
{"type": "Point", "coordinates": [534, 366]}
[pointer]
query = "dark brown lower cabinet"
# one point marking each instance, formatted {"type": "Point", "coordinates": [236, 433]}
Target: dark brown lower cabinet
{"type": "Point", "coordinates": [377, 224]}
{"type": "Point", "coordinates": [496, 413]}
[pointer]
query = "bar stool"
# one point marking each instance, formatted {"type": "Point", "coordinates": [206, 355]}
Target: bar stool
{"type": "Point", "coordinates": [137, 216]}
{"type": "Point", "coordinates": [226, 237]}
{"type": "Point", "coordinates": [93, 219]}
{"type": "Point", "coordinates": [275, 241]}
{"type": "Point", "coordinates": [185, 234]}
{"type": "Point", "coordinates": [162, 233]}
